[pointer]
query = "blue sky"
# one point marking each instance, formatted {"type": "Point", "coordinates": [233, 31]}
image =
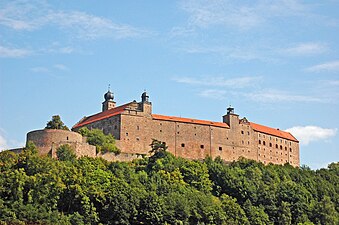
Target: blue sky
{"type": "Point", "coordinates": [275, 62]}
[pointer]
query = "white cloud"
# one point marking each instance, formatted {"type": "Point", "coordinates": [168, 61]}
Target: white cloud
{"type": "Point", "coordinates": [216, 94]}
{"type": "Point", "coordinates": [6, 52]}
{"type": "Point", "coordinates": [328, 66]}
{"type": "Point", "coordinates": [39, 69]}
{"type": "Point", "coordinates": [60, 67]}
{"type": "Point", "coordinates": [91, 27]}
{"type": "Point", "coordinates": [267, 96]}
{"type": "Point", "coordinates": [307, 49]}
{"type": "Point", "coordinates": [66, 50]}
{"type": "Point", "coordinates": [205, 13]}
{"type": "Point", "coordinates": [49, 69]}
{"type": "Point", "coordinates": [307, 134]}
{"type": "Point", "coordinates": [37, 14]}
{"type": "Point", "coordinates": [240, 82]}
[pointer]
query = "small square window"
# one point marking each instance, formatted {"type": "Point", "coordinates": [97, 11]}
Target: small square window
{"type": "Point", "coordinates": [182, 144]}
{"type": "Point", "coordinates": [202, 146]}
{"type": "Point", "coordinates": [220, 148]}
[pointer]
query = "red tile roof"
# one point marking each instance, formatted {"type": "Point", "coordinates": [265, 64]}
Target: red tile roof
{"type": "Point", "coordinates": [118, 110]}
{"type": "Point", "coordinates": [272, 131]}
{"type": "Point", "coordinates": [187, 120]}
{"type": "Point", "coordinates": [102, 115]}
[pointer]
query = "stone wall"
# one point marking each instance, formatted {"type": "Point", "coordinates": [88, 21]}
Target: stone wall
{"type": "Point", "coordinates": [135, 128]}
{"type": "Point", "coordinates": [272, 149]}
{"type": "Point", "coordinates": [48, 140]}
{"type": "Point", "coordinates": [122, 157]}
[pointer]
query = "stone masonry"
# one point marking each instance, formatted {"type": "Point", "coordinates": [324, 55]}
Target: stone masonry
{"type": "Point", "coordinates": [134, 126]}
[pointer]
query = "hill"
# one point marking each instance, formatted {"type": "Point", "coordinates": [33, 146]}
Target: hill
{"type": "Point", "coordinates": [162, 189]}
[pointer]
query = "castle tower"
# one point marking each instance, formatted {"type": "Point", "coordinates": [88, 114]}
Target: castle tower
{"type": "Point", "coordinates": [146, 105]}
{"type": "Point", "coordinates": [231, 118]}
{"type": "Point", "coordinates": [108, 103]}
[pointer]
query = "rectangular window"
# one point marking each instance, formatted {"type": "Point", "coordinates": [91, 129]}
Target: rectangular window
{"type": "Point", "coordinates": [182, 144]}
{"type": "Point", "coordinates": [202, 146]}
{"type": "Point", "coordinates": [220, 148]}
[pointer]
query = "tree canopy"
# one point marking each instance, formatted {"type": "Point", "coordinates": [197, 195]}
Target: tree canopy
{"type": "Point", "coordinates": [104, 143]}
{"type": "Point", "coordinates": [163, 189]}
{"type": "Point", "coordinates": [56, 123]}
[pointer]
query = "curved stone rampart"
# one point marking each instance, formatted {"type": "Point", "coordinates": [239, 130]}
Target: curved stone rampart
{"type": "Point", "coordinates": [47, 140]}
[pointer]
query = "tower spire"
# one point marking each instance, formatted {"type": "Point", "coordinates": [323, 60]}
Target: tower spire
{"type": "Point", "coordinates": [109, 102]}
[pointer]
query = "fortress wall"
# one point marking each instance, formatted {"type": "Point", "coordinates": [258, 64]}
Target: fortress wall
{"type": "Point", "coordinates": [108, 126]}
{"type": "Point", "coordinates": [80, 149]}
{"type": "Point", "coordinates": [244, 142]}
{"type": "Point", "coordinates": [136, 133]}
{"type": "Point", "coordinates": [122, 157]}
{"type": "Point", "coordinates": [221, 143]}
{"type": "Point", "coordinates": [47, 139]}
{"type": "Point", "coordinates": [277, 150]}
{"type": "Point", "coordinates": [193, 141]}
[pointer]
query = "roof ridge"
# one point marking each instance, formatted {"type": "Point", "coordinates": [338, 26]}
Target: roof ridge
{"type": "Point", "coordinates": [273, 131]}
{"type": "Point", "coordinates": [189, 120]}
{"type": "Point", "coordinates": [105, 114]}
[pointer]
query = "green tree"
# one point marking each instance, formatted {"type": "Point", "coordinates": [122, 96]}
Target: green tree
{"type": "Point", "coordinates": [66, 153]}
{"type": "Point", "coordinates": [234, 213]}
{"type": "Point", "coordinates": [104, 143]}
{"type": "Point", "coordinates": [256, 215]}
{"type": "Point", "coordinates": [56, 123]}
{"type": "Point", "coordinates": [325, 212]}
{"type": "Point", "coordinates": [196, 174]}
{"type": "Point", "coordinates": [284, 214]}
{"type": "Point", "coordinates": [30, 149]}
{"type": "Point", "coordinates": [158, 146]}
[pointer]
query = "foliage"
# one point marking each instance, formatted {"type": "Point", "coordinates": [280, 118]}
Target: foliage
{"type": "Point", "coordinates": [65, 153]}
{"type": "Point", "coordinates": [162, 189]}
{"type": "Point", "coordinates": [158, 146]}
{"type": "Point", "coordinates": [56, 123]}
{"type": "Point", "coordinates": [104, 143]}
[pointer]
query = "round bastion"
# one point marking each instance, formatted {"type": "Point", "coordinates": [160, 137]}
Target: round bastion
{"type": "Point", "coordinates": [48, 139]}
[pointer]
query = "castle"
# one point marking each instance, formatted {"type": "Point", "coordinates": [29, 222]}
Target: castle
{"type": "Point", "coordinates": [134, 126]}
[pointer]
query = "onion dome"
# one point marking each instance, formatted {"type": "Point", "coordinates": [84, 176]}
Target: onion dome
{"type": "Point", "coordinates": [144, 97]}
{"type": "Point", "coordinates": [109, 96]}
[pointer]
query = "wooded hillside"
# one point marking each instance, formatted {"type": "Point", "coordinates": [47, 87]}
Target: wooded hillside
{"type": "Point", "coordinates": [162, 189]}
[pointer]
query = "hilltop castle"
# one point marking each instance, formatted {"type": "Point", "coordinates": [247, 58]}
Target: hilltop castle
{"type": "Point", "coordinates": [134, 126]}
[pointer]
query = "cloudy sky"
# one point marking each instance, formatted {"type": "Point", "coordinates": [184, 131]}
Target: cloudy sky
{"type": "Point", "coordinates": [276, 62]}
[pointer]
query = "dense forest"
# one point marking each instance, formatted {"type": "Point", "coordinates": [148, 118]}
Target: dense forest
{"type": "Point", "coordinates": [162, 189]}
